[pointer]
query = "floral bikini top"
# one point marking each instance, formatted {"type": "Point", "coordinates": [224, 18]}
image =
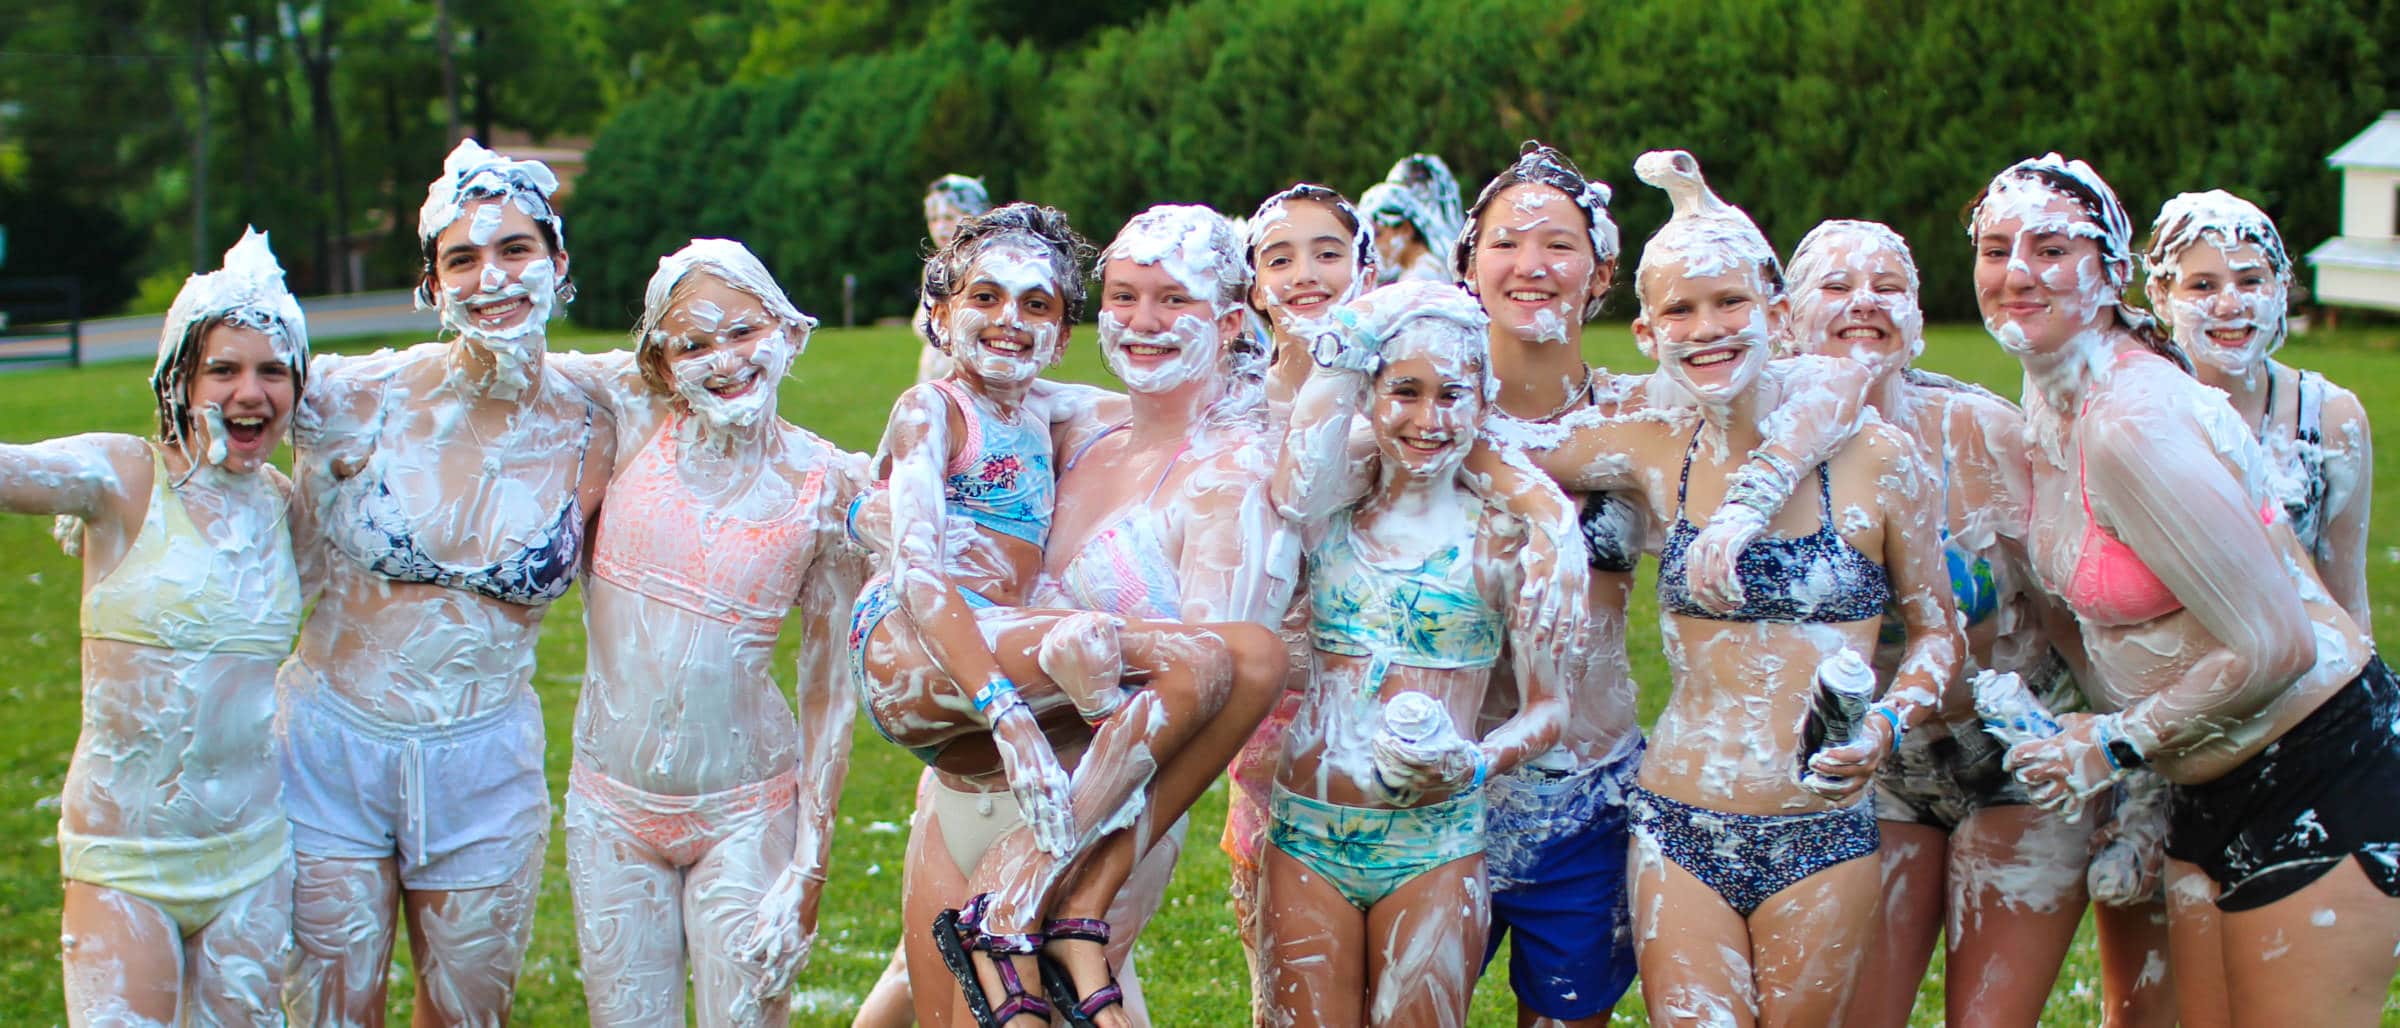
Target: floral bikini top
{"type": "Point", "coordinates": [370, 527]}
{"type": "Point", "coordinates": [1001, 478]}
{"type": "Point", "coordinates": [1428, 615]}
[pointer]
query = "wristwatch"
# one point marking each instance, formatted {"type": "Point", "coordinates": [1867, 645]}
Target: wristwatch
{"type": "Point", "coordinates": [2122, 754]}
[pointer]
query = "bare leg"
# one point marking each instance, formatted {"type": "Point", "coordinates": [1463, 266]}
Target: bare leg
{"type": "Point", "coordinates": [1693, 950]}
{"type": "Point", "coordinates": [2135, 986]}
{"type": "Point", "coordinates": [1314, 947]}
{"type": "Point", "coordinates": [2195, 953]}
{"type": "Point", "coordinates": [1915, 861]}
{"type": "Point", "coordinates": [123, 959]}
{"type": "Point", "coordinates": [1174, 737]}
{"type": "Point", "coordinates": [1809, 941]}
{"type": "Point", "coordinates": [888, 1004]}
{"type": "Point", "coordinates": [2016, 897]}
{"type": "Point", "coordinates": [345, 915]}
{"type": "Point", "coordinates": [239, 964]}
{"type": "Point", "coordinates": [628, 921]}
{"type": "Point", "coordinates": [721, 898]}
{"type": "Point", "coordinates": [933, 883]}
{"type": "Point", "coordinates": [1425, 939]}
{"type": "Point", "coordinates": [469, 945]}
{"type": "Point", "coordinates": [2323, 956]}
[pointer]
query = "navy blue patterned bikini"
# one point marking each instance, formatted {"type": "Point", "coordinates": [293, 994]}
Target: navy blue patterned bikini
{"type": "Point", "coordinates": [1818, 578]}
{"type": "Point", "coordinates": [372, 529]}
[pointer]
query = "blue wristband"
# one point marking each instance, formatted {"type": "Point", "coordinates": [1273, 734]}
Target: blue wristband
{"type": "Point", "coordinates": [1483, 770]}
{"type": "Point", "coordinates": [1892, 716]}
{"type": "Point", "coordinates": [994, 693]}
{"type": "Point", "coordinates": [850, 518]}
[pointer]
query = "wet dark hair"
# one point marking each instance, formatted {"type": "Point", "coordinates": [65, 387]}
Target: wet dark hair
{"type": "Point", "coordinates": [2099, 203]}
{"type": "Point", "coordinates": [1540, 164]}
{"type": "Point", "coordinates": [945, 272]}
{"type": "Point", "coordinates": [1362, 240]}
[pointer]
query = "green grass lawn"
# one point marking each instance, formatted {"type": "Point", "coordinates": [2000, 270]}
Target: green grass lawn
{"type": "Point", "coordinates": [842, 388]}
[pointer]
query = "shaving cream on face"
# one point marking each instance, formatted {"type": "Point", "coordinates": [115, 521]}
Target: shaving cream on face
{"type": "Point", "coordinates": [728, 342]}
{"type": "Point", "coordinates": [1007, 324]}
{"type": "Point", "coordinates": [2224, 303]}
{"type": "Point", "coordinates": [1534, 262]}
{"type": "Point", "coordinates": [1854, 294]}
{"type": "Point", "coordinates": [1172, 261]}
{"type": "Point", "coordinates": [1711, 334]}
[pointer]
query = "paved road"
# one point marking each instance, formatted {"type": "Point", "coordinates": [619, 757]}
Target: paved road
{"type": "Point", "coordinates": [329, 318]}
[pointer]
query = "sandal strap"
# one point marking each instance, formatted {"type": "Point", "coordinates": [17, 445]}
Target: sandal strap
{"type": "Point", "coordinates": [1100, 999]}
{"type": "Point", "coordinates": [970, 918]}
{"type": "Point", "coordinates": [1016, 1000]}
{"type": "Point", "coordinates": [1077, 929]}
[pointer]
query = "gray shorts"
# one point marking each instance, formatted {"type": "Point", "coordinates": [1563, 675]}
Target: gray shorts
{"type": "Point", "coordinates": [1937, 779]}
{"type": "Point", "coordinates": [461, 806]}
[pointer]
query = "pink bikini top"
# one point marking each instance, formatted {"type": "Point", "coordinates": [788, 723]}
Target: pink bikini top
{"type": "Point", "coordinates": [657, 539]}
{"type": "Point", "coordinates": [2111, 585]}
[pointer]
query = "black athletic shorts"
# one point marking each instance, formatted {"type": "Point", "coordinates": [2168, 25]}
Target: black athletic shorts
{"type": "Point", "coordinates": [2323, 792]}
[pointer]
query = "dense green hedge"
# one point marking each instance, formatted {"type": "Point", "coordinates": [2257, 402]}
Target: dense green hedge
{"type": "Point", "coordinates": [1798, 110]}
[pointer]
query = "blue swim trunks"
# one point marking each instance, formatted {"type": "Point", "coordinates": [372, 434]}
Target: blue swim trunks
{"type": "Point", "coordinates": [1556, 852]}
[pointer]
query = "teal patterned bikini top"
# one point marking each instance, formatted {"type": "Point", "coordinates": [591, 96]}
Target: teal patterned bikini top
{"type": "Point", "coordinates": [1428, 615]}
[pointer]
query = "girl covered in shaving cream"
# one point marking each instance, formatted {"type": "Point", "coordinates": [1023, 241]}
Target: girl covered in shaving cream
{"type": "Point", "coordinates": [1539, 253]}
{"type": "Point", "coordinates": [1373, 873]}
{"type": "Point", "coordinates": [445, 497]}
{"type": "Point", "coordinates": [692, 837]}
{"type": "Point", "coordinates": [1966, 857]}
{"type": "Point", "coordinates": [1754, 891]}
{"type": "Point", "coordinates": [2255, 694]}
{"type": "Point", "coordinates": [172, 836]}
{"type": "Point", "coordinates": [972, 499]}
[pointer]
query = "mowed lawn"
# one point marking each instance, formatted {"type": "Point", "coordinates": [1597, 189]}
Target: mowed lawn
{"type": "Point", "coordinates": [842, 388]}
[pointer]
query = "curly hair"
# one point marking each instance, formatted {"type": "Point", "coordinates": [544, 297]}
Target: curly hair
{"type": "Point", "coordinates": [1044, 228]}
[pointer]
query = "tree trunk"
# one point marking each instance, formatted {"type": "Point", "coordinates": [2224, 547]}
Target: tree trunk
{"type": "Point", "coordinates": [441, 45]}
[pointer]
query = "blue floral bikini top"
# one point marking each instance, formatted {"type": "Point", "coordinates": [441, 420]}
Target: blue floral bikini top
{"type": "Point", "coordinates": [1001, 477]}
{"type": "Point", "coordinates": [1818, 578]}
{"type": "Point", "coordinates": [374, 531]}
{"type": "Point", "coordinates": [1429, 615]}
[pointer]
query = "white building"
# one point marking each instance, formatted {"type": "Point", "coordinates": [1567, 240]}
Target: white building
{"type": "Point", "coordinates": [2361, 267]}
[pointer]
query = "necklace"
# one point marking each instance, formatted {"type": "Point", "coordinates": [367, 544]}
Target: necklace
{"type": "Point", "coordinates": [1575, 398]}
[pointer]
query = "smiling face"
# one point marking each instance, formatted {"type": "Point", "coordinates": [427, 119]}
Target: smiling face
{"type": "Point", "coordinates": [1155, 334]}
{"type": "Point", "coordinates": [1711, 334]}
{"type": "Point", "coordinates": [2040, 280]}
{"type": "Point", "coordinates": [1009, 321]}
{"type": "Point", "coordinates": [1533, 265]}
{"type": "Point", "coordinates": [496, 275]}
{"type": "Point", "coordinates": [1857, 299]}
{"type": "Point", "coordinates": [1307, 264]}
{"type": "Point", "coordinates": [1425, 412]}
{"type": "Point", "coordinates": [252, 390]}
{"type": "Point", "coordinates": [725, 355]}
{"type": "Point", "coordinates": [2226, 303]}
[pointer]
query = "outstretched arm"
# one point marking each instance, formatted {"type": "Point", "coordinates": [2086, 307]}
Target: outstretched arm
{"type": "Point", "coordinates": [77, 476]}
